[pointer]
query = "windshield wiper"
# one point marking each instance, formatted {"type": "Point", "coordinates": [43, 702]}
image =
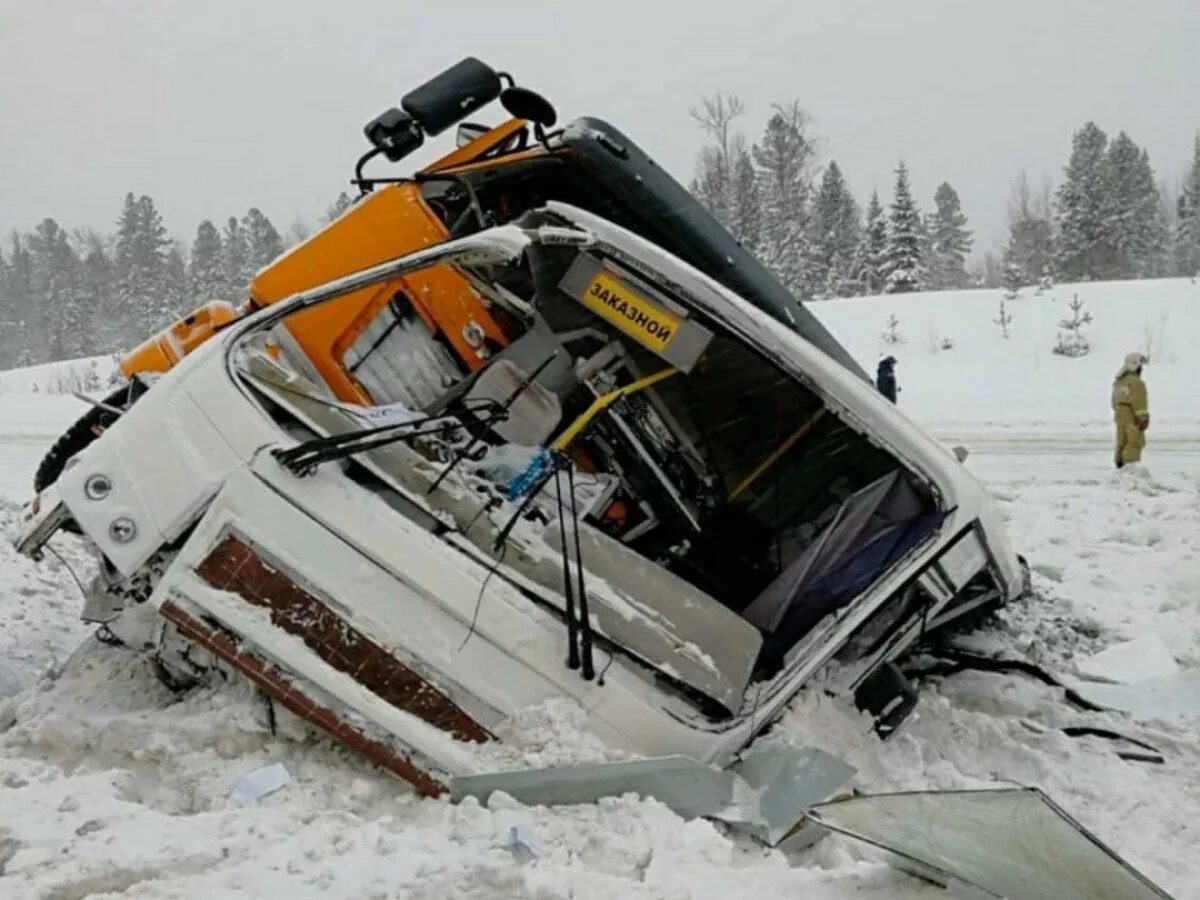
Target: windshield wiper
{"type": "Point", "coordinates": [303, 459]}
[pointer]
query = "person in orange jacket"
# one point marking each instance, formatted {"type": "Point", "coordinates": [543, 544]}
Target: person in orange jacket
{"type": "Point", "coordinates": [1131, 410]}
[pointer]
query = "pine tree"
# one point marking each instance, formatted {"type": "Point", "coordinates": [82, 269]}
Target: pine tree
{"type": "Point", "coordinates": [1030, 246]}
{"type": "Point", "coordinates": [339, 206]}
{"type": "Point", "coordinates": [872, 252]}
{"type": "Point", "coordinates": [993, 271]}
{"type": "Point", "coordinates": [141, 253]}
{"type": "Point", "coordinates": [835, 234]}
{"type": "Point", "coordinates": [263, 243]}
{"type": "Point", "coordinates": [1136, 233]}
{"type": "Point", "coordinates": [177, 297]}
{"type": "Point", "coordinates": [8, 326]}
{"type": "Point", "coordinates": [1185, 249]}
{"type": "Point", "coordinates": [903, 255]}
{"type": "Point", "coordinates": [782, 158]}
{"type": "Point", "coordinates": [20, 301]}
{"type": "Point", "coordinates": [206, 274]}
{"type": "Point", "coordinates": [59, 328]}
{"type": "Point", "coordinates": [746, 212]}
{"type": "Point", "coordinates": [99, 293]}
{"type": "Point", "coordinates": [950, 241]}
{"type": "Point", "coordinates": [713, 184]}
{"type": "Point", "coordinates": [298, 232]}
{"type": "Point", "coordinates": [235, 260]}
{"type": "Point", "coordinates": [1084, 245]}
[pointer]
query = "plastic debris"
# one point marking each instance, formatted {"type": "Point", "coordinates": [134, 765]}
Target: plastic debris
{"type": "Point", "coordinates": [254, 786]}
{"type": "Point", "coordinates": [522, 843]}
{"type": "Point", "coordinates": [523, 483]}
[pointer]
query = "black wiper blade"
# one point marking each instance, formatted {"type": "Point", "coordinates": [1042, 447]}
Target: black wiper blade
{"type": "Point", "coordinates": [304, 458]}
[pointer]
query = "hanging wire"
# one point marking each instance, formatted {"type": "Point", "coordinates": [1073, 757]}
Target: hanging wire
{"type": "Point", "coordinates": [67, 566]}
{"type": "Point", "coordinates": [479, 599]}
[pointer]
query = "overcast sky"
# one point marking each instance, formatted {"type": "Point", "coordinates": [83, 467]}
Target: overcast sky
{"type": "Point", "coordinates": [212, 106]}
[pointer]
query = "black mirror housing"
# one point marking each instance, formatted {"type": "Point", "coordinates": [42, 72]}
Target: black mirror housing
{"type": "Point", "coordinates": [452, 96]}
{"type": "Point", "coordinates": [522, 103]}
{"type": "Point", "coordinates": [395, 134]}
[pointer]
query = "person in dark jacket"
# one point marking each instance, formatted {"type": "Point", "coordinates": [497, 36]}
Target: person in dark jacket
{"type": "Point", "coordinates": [885, 378]}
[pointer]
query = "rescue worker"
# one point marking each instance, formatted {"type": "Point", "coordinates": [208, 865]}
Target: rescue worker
{"type": "Point", "coordinates": [885, 378]}
{"type": "Point", "coordinates": [1131, 410]}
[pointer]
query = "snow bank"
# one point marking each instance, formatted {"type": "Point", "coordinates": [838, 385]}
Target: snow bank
{"type": "Point", "coordinates": [1019, 385]}
{"type": "Point", "coordinates": [62, 377]}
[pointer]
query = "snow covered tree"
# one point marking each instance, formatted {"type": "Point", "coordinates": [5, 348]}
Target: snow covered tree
{"type": "Point", "coordinates": [206, 272]}
{"type": "Point", "coordinates": [263, 243]}
{"type": "Point", "coordinates": [1013, 279]}
{"type": "Point", "coordinates": [872, 250]}
{"type": "Point", "coordinates": [1003, 319]}
{"type": "Point", "coordinates": [60, 328]}
{"type": "Point", "coordinates": [949, 241]}
{"type": "Point", "coordinates": [141, 253]}
{"type": "Point", "coordinates": [235, 260]}
{"type": "Point", "coordinates": [782, 158]}
{"type": "Point", "coordinates": [1084, 245]}
{"type": "Point", "coordinates": [835, 234]}
{"type": "Point", "coordinates": [903, 255]}
{"type": "Point", "coordinates": [891, 332]}
{"type": "Point", "coordinates": [298, 232]}
{"type": "Point", "coordinates": [713, 184]}
{"type": "Point", "coordinates": [339, 206]}
{"type": "Point", "coordinates": [98, 286]}
{"type": "Point", "coordinates": [1030, 235]}
{"type": "Point", "coordinates": [19, 302]}
{"type": "Point", "coordinates": [1071, 340]}
{"type": "Point", "coordinates": [1185, 249]}
{"type": "Point", "coordinates": [746, 207]}
{"type": "Point", "coordinates": [1136, 232]}
{"type": "Point", "coordinates": [176, 296]}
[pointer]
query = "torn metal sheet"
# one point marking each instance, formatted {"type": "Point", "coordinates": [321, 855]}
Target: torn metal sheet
{"type": "Point", "coordinates": [686, 786]}
{"type": "Point", "coordinates": [786, 782]}
{"type": "Point", "coordinates": [1013, 843]}
{"type": "Point", "coordinates": [764, 795]}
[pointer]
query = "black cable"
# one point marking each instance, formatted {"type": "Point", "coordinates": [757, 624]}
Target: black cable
{"type": "Point", "coordinates": [504, 408]}
{"type": "Point", "coordinates": [67, 566]}
{"type": "Point", "coordinates": [479, 599]}
{"type": "Point", "coordinates": [604, 671]}
{"type": "Point", "coordinates": [490, 505]}
{"type": "Point", "coordinates": [568, 590]}
{"type": "Point", "coordinates": [585, 622]}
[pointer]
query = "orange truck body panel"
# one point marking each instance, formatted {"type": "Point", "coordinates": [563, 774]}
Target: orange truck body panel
{"type": "Point", "coordinates": [382, 225]}
{"type": "Point", "coordinates": [162, 351]}
{"type": "Point", "coordinates": [472, 150]}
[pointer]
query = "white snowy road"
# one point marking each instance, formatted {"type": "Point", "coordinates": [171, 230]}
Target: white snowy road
{"type": "Point", "coordinates": [110, 786]}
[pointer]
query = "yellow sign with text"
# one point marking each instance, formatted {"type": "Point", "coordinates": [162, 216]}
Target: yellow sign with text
{"type": "Point", "coordinates": [644, 321]}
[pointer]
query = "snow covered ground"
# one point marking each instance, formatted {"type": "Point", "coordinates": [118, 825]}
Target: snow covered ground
{"type": "Point", "coordinates": [109, 785]}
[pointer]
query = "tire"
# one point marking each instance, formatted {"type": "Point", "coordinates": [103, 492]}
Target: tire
{"type": "Point", "coordinates": [88, 427]}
